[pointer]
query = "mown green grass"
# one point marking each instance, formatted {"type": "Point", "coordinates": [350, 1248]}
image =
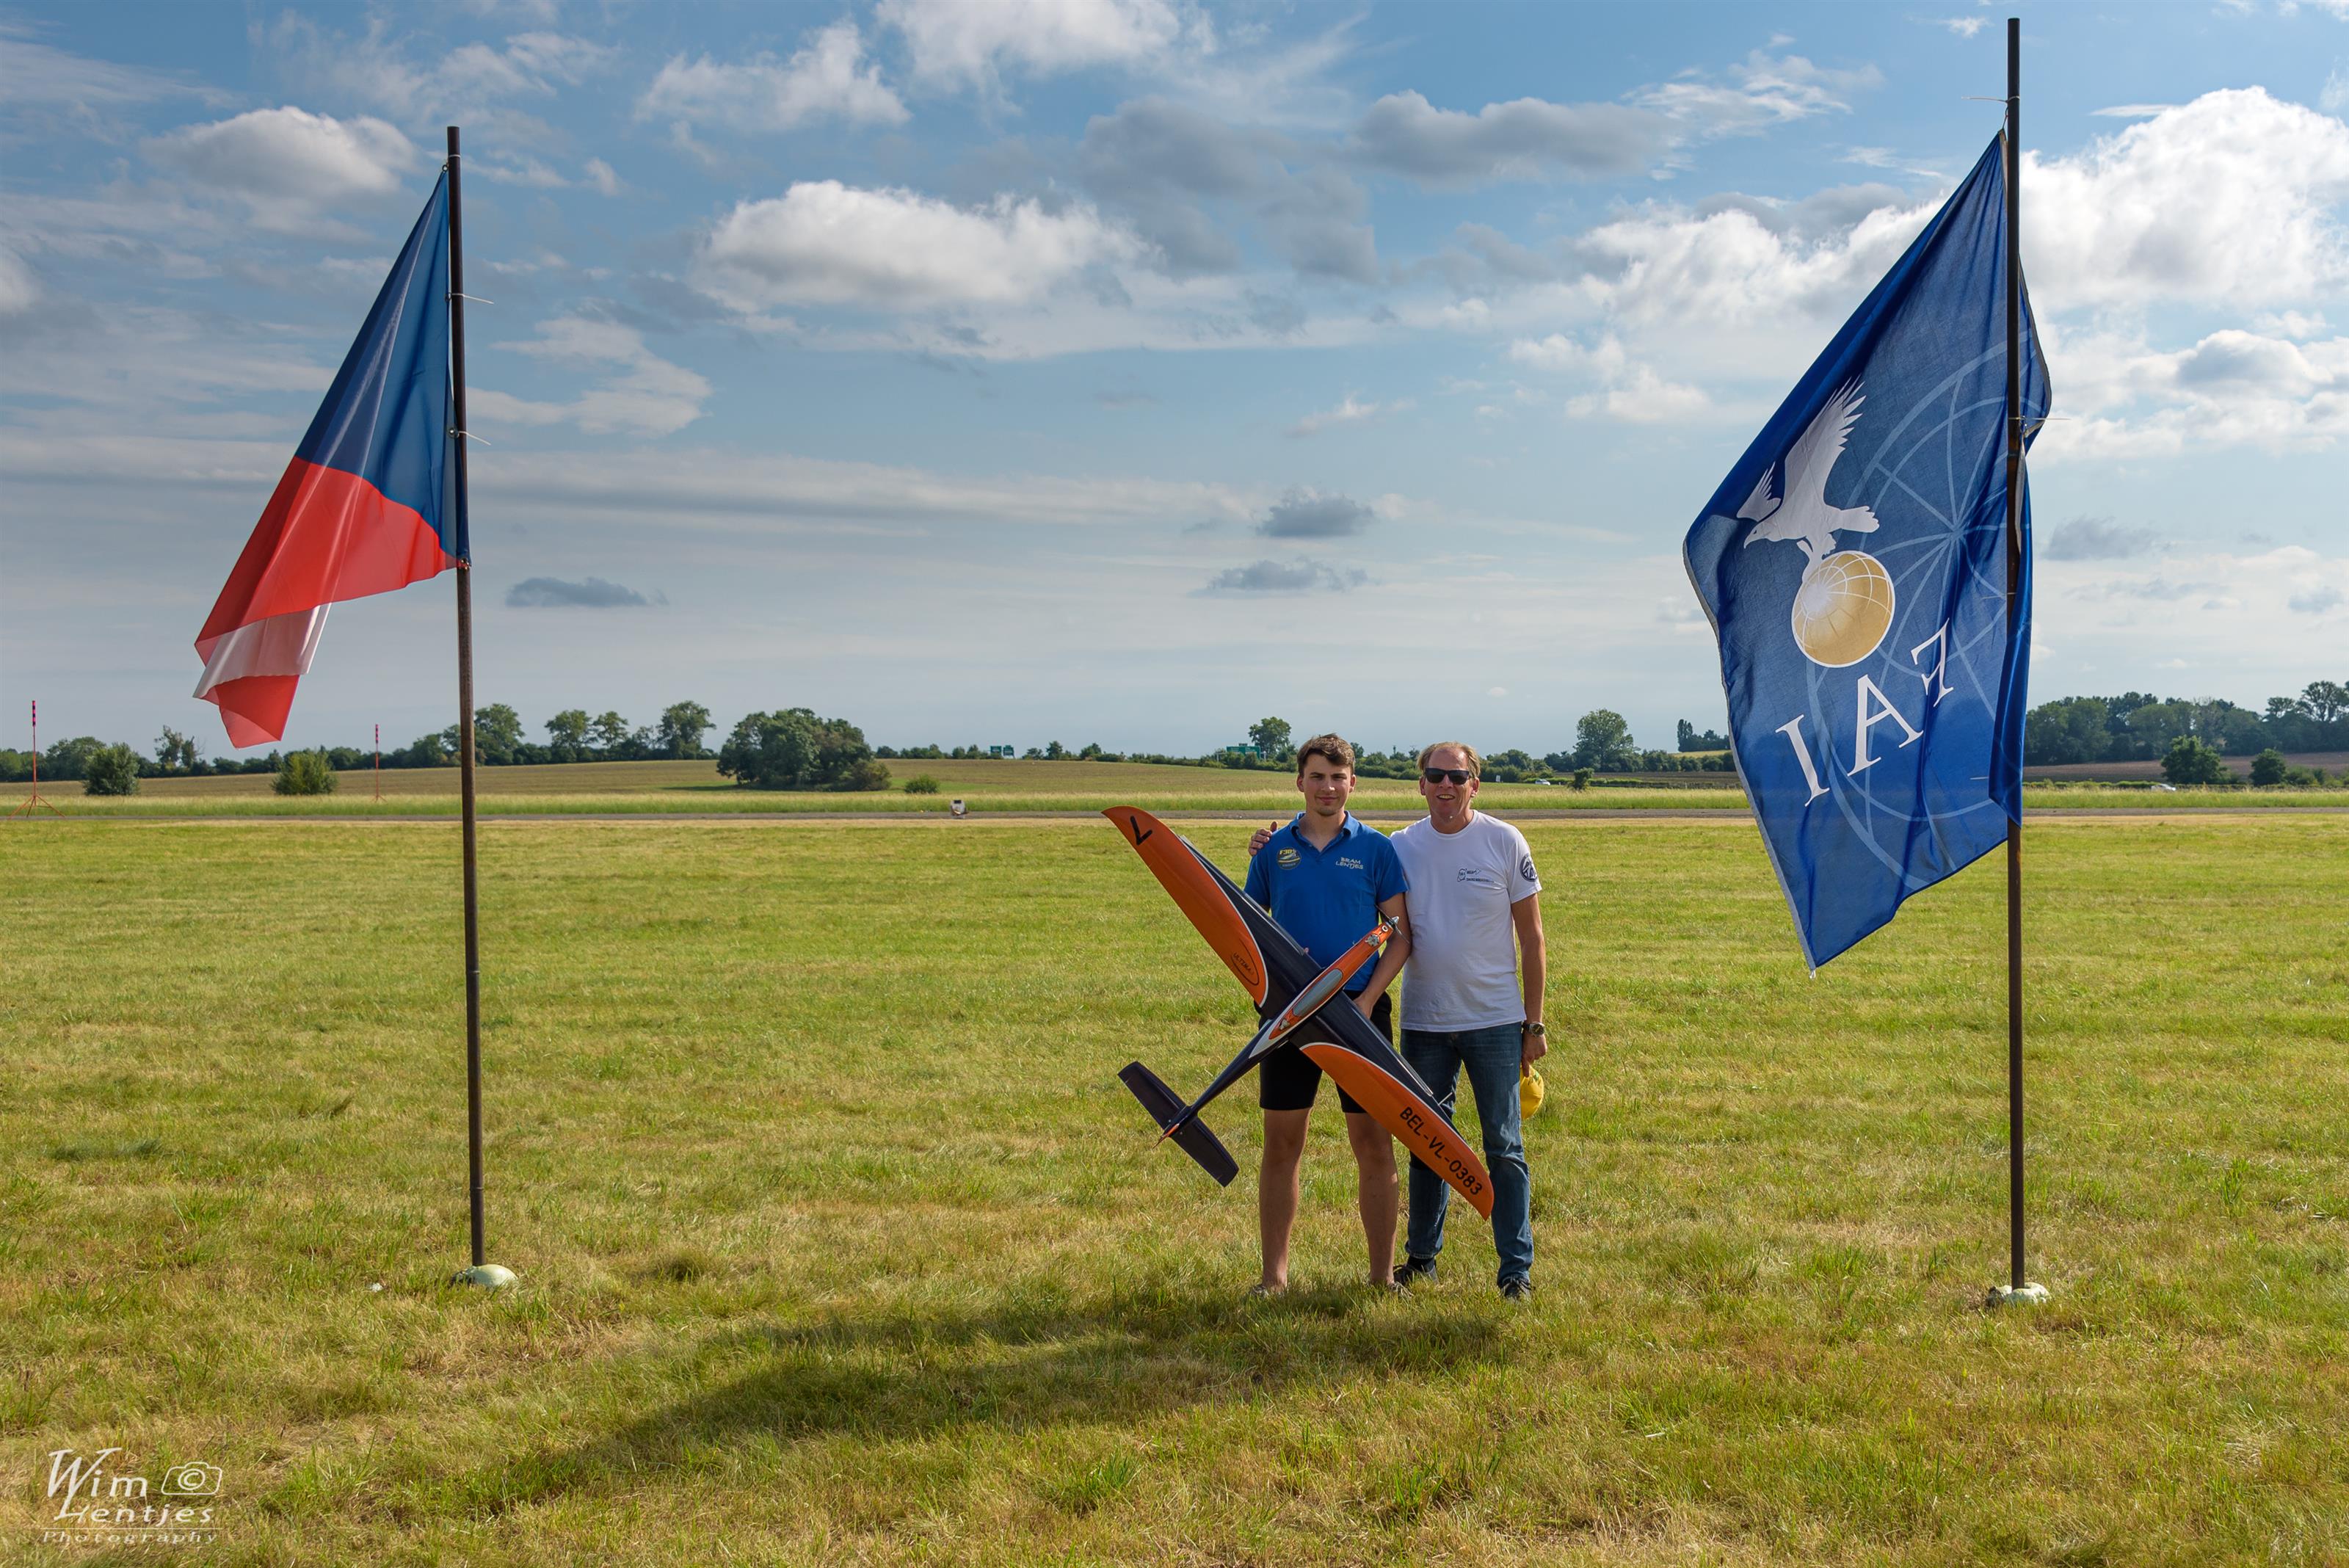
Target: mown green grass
{"type": "Point", "coordinates": [840, 1243]}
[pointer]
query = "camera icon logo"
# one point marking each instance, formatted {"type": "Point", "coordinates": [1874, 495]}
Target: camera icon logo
{"type": "Point", "coordinates": [193, 1480]}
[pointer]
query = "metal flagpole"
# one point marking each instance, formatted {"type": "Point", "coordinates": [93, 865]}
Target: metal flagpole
{"type": "Point", "coordinates": [2017, 1288]}
{"type": "Point", "coordinates": [483, 1272]}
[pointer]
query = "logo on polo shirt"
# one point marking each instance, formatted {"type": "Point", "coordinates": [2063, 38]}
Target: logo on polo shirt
{"type": "Point", "coordinates": [1526, 867]}
{"type": "Point", "coordinates": [1348, 863]}
{"type": "Point", "coordinates": [1287, 856]}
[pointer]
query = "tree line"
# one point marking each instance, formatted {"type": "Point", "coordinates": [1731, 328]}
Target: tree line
{"type": "Point", "coordinates": [2137, 726]}
{"type": "Point", "coordinates": [795, 748]}
{"type": "Point", "coordinates": [1603, 744]}
{"type": "Point", "coordinates": [499, 741]}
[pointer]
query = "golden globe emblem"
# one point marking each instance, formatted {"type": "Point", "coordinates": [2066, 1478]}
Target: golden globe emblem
{"type": "Point", "coordinates": [1843, 608]}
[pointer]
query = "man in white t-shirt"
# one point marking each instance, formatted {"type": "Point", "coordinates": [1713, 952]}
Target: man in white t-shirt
{"type": "Point", "coordinates": [1472, 997]}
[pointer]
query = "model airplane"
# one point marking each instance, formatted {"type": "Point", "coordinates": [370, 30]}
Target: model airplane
{"type": "Point", "coordinates": [1303, 1007]}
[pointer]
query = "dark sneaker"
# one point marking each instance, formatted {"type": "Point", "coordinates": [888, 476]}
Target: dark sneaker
{"type": "Point", "coordinates": [1413, 1269]}
{"type": "Point", "coordinates": [1517, 1288]}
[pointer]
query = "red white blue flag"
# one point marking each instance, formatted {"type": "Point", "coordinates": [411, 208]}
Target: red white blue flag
{"type": "Point", "coordinates": [369, 503]}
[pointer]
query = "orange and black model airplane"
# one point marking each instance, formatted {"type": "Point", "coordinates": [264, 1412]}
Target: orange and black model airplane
{"type": "Point", "coordinates": [1303, 1007]}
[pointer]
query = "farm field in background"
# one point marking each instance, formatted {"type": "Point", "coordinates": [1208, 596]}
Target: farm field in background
{"type": "Point", "coordinates": [839, 1240]}
{"type": "Point", "coordinates": [986, 785]}
{"type": "Point", "coordinates": [2334, 764]}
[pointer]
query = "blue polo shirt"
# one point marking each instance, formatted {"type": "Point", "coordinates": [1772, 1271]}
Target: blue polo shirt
{"type": "Point", "coordinates": [1327, 898]}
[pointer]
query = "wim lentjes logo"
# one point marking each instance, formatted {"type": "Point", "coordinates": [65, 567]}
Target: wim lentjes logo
{"type": "Point", "coordinates": [101, 1503]}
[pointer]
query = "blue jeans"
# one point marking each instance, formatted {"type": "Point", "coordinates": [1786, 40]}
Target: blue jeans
{"type": "Point", "coordinates": [1492, 1057]}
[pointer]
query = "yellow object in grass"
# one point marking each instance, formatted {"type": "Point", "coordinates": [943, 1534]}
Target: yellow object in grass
{"type": "Point", "coordinates": [1529, 1090]}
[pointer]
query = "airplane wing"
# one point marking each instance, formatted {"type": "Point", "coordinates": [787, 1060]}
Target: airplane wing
{"type": "Point", "coordinates": [1336, 1037]}
{"type": "Point", "coordinates": [1264, 957]}
{"type": "Point", "coordinates": [1349, 1047]}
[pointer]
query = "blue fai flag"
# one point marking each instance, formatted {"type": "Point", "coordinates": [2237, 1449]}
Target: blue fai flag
{"type": "Point", "coordinates": [1876, 696]}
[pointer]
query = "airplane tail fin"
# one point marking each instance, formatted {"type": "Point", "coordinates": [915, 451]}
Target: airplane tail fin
{"type": "Point", "coordinates": [1193, 1136]}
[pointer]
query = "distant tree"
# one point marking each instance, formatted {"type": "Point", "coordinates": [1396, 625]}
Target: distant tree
{"type": "Point", "coordinates": [2235, 732]}
{"type": "Point", "coordinates": [2326, 701]}
{"type": "Point", "coordinates": [2269, 768]}
{"type": "Point", "coordinates": [498, 737]}
{"type": "Point", "coordinates": [609, 734]}
{"type": "Point", "coordinates": [566, 734]}
{"type": "Point", "coordinates": [111, 770]}
{"type": "Point", "coordinates": [1690, 740]}
{"type": "Point", "coordinates": [2190, 761]}
{"type": "Point", "coordinates": [2069, 730]}
{"type": "Point", "coordinates": [1054, 752]}
{"type": "Point", "coordinates": [424, 751]}
{"type": "Point", "coordinates": [682, 725]}
{"type": "Point", "coordinates": [1270, 739]}
{"type": "Point", "coordinates": [794, 749]}
{"type": "Point", "coordinates": [2155, 725]}
{"type": "Point", "coordinates": [921, 783]}
{"type": "Point", "coordinates": [1582, 778]}
{"type": "Point", "coordinates": [1093, 751]}
{"type": "Point", "coordinates": [1602, 742]}
{"type": "Point", "coordinates": [346, 759]}
{"type": "Point", "coordinates": [305, 772]}
{"type": "Point", "coordinates": [14, 766]}
{"type": "Point", "coordinates": [66, 759]}
{"type": "Point", "coordinates": [173, 749]}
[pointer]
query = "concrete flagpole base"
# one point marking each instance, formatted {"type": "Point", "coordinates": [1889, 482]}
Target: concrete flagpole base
{"type": "Point", "coordinates": [2033, 1294]}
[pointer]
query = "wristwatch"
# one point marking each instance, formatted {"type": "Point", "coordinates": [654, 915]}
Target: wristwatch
{"type": "Point", "coordinates": [1537, 1028]}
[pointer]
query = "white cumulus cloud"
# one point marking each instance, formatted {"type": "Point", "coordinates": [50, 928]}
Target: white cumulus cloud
{"type": "Point", "coordinates": [643, 394]}
{"type": "Point", "coordinates": [828, 77]}
{"type": "Point", "coordinates": [2226, 199]}
{"type": "Point", "coordinates": [962, 41]}
{"type": "Point", "coordinates": [288, 164]}
{"type": "Point", "coordinates": [1618, 387]}
{"type": "Point", "coordinates": [825, 243]}
{"type": "Point", "coordinates": [2232, 388]}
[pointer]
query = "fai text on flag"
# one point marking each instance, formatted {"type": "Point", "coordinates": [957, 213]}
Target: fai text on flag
{"type": "Point", "coordinates": [367, 505]}
{"type": "Point", "coordinates": [1854, 567]}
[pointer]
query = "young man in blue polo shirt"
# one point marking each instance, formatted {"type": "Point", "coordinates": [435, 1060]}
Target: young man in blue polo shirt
{"type": "Point", "coordinates": [1326, 878]}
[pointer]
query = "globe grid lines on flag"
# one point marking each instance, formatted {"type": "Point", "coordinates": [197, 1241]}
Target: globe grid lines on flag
{"type": "Point", "coordinates": [1967, 669]}
{"type": "Point", "coordinates": [1842, 607]}
{"type": "Point", "coordinates": [1972, 662]}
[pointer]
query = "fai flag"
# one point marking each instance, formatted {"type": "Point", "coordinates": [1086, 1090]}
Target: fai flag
{"type": "Point", "coordinates": [1854, 567]}
{"type": "Point", "coordinates": [367, 505]}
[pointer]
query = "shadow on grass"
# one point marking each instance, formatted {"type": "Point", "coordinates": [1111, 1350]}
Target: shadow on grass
{"type": "Point", "coordinates": [1020, 1367]}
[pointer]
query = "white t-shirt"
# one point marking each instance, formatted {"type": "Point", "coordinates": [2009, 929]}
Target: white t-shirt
{"type": "Point", "coordinates": [1463, 970]}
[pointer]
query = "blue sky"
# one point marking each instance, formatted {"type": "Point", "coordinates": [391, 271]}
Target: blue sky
{"type": "Point", "coordinates": [1124, 371]}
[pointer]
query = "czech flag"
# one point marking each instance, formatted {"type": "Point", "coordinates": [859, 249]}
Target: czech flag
{"type": "Point", "coordinates": [369, 503]}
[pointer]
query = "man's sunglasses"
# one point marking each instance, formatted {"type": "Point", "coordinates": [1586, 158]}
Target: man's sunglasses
{"type": "Point", "coordinates": [1437, 776]}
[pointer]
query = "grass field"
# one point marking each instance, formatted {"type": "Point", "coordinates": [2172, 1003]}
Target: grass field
{"type": "Point", "coordinates": [986, 786]}
{"type": "Point", "coordinates": [840, 1243]}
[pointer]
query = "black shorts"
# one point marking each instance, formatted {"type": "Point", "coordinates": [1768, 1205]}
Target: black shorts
{"type": "Point", "coordinates": [1290, 1080]}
